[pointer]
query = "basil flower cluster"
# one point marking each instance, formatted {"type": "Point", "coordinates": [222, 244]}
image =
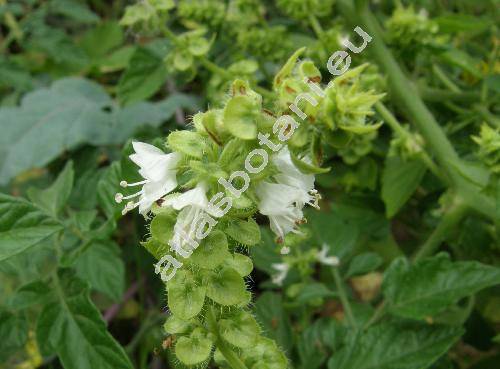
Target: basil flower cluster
{"type": "Point", "coordinates": [489, 147]}
{"type": "Point", "coordinates": [202, 196]}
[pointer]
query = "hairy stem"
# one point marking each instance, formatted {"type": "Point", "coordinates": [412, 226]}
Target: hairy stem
{"type": "Point", "coordinates": [231, 357]}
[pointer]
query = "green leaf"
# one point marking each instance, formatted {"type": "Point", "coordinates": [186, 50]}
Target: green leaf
{"type": "Point", "coordinates": [239, 329]}
{"type": "Point", "coordinates": [333, 230]}
{"type": "Point", "coordinates": [462, 60]}
{"type": "Point", "coordinates": [193, 349]}
{"type": "Point", "coordinates": [22, 225]}
{"type": "Point", "coordinates": [54, 198]}
{"type": "Point", "coordinates": [73, 328]}
{"type": "Point", "coordinates": [246, 232]}
{"type": "Point", "coordinates": [14, 333]}
{"type": "Point", "coordinates": [363, 263]}
{"type": "Point", "coordinates": [106, 190]}
{"type": "Point", "coordinates": [69, 113]}
{"type": "Point", "coordinates": [186, 296]}
{"type": "Point", "coordinates": [392, 345]}
{"type": "Point", "coordinates": [33, 293]}
{"type": "Point", "coordinates": [101, 39]}
{"type": "Point", "coordinates": [310, 347]}
{"type": "Point", "coordinates": [75, 10]}
{"type": "Point", "coordinates": [274, 320]}
{"type": "Point", "coordinates": [227, 287]}
{"type": "Point", "coordinates": [48, 122]}
{"type": "Point", "coordinates": [143, 78]}
{"type": "Point", "coordinates": [313, 291]}
{"type": "Point", "coordinates": [432, 284]}
{"type": "Point", "coordinates": [103, 268]}
{"type": "Point", "coordinates": [399, 180]}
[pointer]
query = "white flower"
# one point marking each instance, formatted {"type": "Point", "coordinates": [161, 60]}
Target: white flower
{"type": "Point", "coordinates": [283, 201]}
{"type": "Point", "coordinates": [279, 203]}
{"type": "Point", "coordinates": [159, 172]}
{"type": "Point", "coordinates": [282, 269]}
{"type": "Point", "coordinates": [290, 175]}
{"type": "Point", "coordinates": [323, 257]}
{"type": "Point", "coordinates": [192, 205]}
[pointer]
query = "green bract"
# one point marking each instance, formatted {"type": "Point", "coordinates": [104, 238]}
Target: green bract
{"type": "Point", "coordinates": [193, 349]}
{"type": "Point", "coordinates": [186, 295]}
{"type": "Point", "coordinates": [226, 287]}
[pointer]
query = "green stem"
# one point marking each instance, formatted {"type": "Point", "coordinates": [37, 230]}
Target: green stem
{"type": "Point", "coordinates": [233, 360]}
{"type": "Point", "coordinates": [316, 26]}
{"type": "Point", "coordinates": [343, 297]}
{"type": "Point", "coordinates": [377, 315]}
{"type": "Point", "coordinates": [444, 79]}
{"type": "Point", "coordinates": [487, 116]}
{"type": "Point", "coordinates": [447, 223]}
{"type": "Point", "coordinates": [391, 120]}
{"type": "Point", "coordinates": [432, 94]}
{"type": "Point", "coordinates": [410, 102]}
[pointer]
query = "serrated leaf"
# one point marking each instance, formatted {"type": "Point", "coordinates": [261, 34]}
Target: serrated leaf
{"type": "Point", "coordinates": [432, 284]}
{"type": "Point", "coordinates": [103, 268]}
{"type": "Point", "coordinates": [53, 198]}
{"type": "Point", "coordinates": [395, 346]}
{"type": "Point", "coordinates": [69, 113]}
{"type": "Point", "coordinates": [73, 328]}
{"type": "Point", "coordinates": [400, 179]}
{"type": "Point", "coordinates": [22, 225]}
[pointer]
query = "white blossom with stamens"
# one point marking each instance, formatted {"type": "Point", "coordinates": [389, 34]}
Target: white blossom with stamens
{"type": "Point", "coordinates": [192, 204]}
{"type": "Point", "coordinates": [159, 172]}
{"type": "Point", "coordinates": [282, 202]}
{"type": "Point", "coordinates": [323, 257]}
{"type": "Point", "coordinates": [282, 269]}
